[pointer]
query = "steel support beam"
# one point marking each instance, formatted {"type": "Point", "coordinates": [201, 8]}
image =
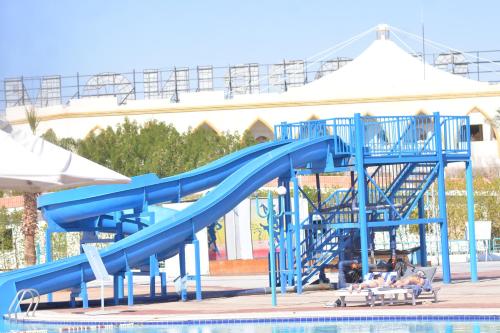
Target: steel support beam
{"type": "Point", "coordinates": [289, 231]}
{"type": "Point", "coordinates": [297, 227]}
{"type": "Point", "coordinates": [48, 255]}
{"type": "Point", "coordinates": [360, 170]}
{"type": "Point", "coordinates": [445, 252]}
{"type": "Point", "coordinates": [197, 265]}
{"type": "Point", "coordinates": [182, 270]}
{"type": "Point", "coordinates": [470, 221]}
{"type": "Point", "coordinates": [421, 233]}
{"type": "Point", "coordinates": [282, 253]}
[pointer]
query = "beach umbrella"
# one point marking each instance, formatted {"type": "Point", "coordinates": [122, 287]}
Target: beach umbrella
{"type": "Point", "coordinates": [32, 164]}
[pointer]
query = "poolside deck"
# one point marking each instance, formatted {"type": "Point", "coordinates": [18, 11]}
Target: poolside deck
{"type": "Point", "coordinates": [459, 298]}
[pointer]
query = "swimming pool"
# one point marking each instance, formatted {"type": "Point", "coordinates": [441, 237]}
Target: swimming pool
{"type": "Point", "coordinates": [288, 327]}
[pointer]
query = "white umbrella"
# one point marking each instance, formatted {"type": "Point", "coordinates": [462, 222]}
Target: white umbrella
{"type": "Point", "coordinates": [16, 168]}
{"type": "Point", "coordinates": [32, 164]}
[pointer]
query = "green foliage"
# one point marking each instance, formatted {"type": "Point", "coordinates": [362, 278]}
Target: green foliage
{"type": "Point", "coordinates": [486, 205]}
{"type": "Point", "coordinates": [50, 136]}
{"type": "Point", "coordinates": [59, 246]}
{"type": "Point", "coordinates": [7, 220]}
{"type": "Point", "coordinates": [132, 149]}
{"type": "Point", "coordinates": [66, 143]}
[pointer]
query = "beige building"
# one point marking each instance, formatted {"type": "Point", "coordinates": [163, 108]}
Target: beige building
{"type": "Point", "coordinates": [382, 80]}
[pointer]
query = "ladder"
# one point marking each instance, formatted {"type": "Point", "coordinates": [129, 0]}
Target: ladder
{"type": "Point", "coordinates": [20, 296]}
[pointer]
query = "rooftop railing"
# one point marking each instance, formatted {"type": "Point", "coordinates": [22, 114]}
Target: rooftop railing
{"type": "Point", "coordinates": [170, 84]}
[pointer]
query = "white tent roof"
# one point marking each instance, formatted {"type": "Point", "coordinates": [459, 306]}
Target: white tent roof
{"type": "Point", "coordinates": [32, 164]}
{"type": "Point", "coordinates": [384, 69]}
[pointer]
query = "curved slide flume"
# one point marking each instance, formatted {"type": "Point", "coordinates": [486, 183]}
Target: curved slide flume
{"type": "Point", "coordinates": [78, 209]}
{"type": "Point", "coordinates": [167, 236]}
{"type": "Point", "coordinates": [75, 209]}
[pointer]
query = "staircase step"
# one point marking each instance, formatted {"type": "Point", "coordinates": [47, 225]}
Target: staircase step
{"type": "Point", "coordinates": [420, 172]}
{"type": "Point", "coordinates": [413, 180]}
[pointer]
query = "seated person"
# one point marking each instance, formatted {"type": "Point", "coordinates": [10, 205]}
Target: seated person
{"type": "Point", "coordinates": [377, 282]}
{"type": "Point", "coordinates": [417, 279]}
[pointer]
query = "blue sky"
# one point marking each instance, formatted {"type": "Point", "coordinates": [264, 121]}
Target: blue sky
{"type": "Point", "coordinates": [47, 37]}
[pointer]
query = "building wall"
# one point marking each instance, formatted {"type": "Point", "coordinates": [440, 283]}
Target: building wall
{"type": "Point", "coordinates": [252, 112]}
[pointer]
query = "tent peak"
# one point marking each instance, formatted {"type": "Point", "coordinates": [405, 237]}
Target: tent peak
{"type": "Point", "coordinates": [383, 31]}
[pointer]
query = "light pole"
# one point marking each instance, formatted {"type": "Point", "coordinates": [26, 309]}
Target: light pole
{"type": "Point", "coordinates": [271, 215]}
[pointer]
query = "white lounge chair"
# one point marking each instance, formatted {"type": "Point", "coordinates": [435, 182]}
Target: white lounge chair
{"type": "Point", "coordinates": [428, 289]}
{"type": "Point", "coordinates": [410, 293]}
{"type": "Point", "coordinates": [368, 294]}
{"type": "Point", "coordinates": [380, 294]}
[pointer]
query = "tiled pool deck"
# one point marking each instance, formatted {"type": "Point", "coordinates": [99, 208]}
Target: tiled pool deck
{"type": "Point", "coordinates": [461, 300]}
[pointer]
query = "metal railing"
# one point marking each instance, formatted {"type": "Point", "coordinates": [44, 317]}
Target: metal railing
{"type": "Point", "coordinates": [397, 135]}
{"type": "Point", "coordinates": [456, 134]}
{"type": "Point", "coordinates": [342, 128]}
{"type": "Point", "coordinates": [171, 83]}
{"type": "Point", "coordinates": [456, 247]}
{"type": "Point", "coordinates": [386, 135]}
{"type": "Point", "coordinates": [495, 244]}
{"type": "Point", "coordinates": [15, 305]}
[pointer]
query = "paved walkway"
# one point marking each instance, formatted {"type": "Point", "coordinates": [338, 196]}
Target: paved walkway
{"type": "Point", "coordinates": [461, 297]}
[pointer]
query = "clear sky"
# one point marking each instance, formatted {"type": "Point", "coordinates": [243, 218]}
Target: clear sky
{"type": "Point", "coordinates": [43, 37]}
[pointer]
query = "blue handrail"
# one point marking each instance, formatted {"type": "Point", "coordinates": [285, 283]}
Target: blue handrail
{"type": "Point", "coordinates": [386, 135]}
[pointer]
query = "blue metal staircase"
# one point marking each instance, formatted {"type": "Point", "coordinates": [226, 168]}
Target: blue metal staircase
{"type": "Point", "coordinates": [399, 171]}
{"type": "Point", "coordinates": [393, 191]}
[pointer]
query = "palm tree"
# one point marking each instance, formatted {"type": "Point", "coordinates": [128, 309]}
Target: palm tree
{"type": "Point", "coordinates": [30, 212]}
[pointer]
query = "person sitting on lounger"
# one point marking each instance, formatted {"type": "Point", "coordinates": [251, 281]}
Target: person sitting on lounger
{"type": "Point", "coordinates": [377, 282]}
{"type": "Point", "coordinates": [417, 279]}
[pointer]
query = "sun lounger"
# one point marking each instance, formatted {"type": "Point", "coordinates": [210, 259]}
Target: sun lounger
{"type": "Point", "coordinates": [374, 295]}
{"type": "Point", "coordinates": [380, 294]}
{"type": "Point", "coordinates": [383, 294]}
{"type": "Point", "coordinates": [427, 288]}
{"type": "Point", "coordinates": [343, 293]}
{"type": "Point", "coordinates": [368, 293]}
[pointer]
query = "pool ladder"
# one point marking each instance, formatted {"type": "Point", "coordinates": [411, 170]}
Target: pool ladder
{"type": "Point", "coordinates": [16, 302]}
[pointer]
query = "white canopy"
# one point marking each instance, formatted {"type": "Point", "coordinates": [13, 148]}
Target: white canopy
{"type": "Point", "coordinates": [31, 164]}
{"type": "Point", "coordinates": [384, 70]}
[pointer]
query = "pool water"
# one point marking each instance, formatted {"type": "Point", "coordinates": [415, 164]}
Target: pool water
{"type": "Point", "coordinates": [338, 327]}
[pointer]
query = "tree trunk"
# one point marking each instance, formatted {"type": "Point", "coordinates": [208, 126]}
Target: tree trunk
{"type": "Point", "coordinates": [30, 219]}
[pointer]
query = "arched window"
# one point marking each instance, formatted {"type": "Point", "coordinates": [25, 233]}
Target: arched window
{"type": "Point", "coordinates": [205, 126]}
{"type": "Point", "coordinates": [424, 126]}
{"type": "Point", "coordinates": [375, 135]}
{"type": "Point", "coordinates": [482, 127]}
{"type": "Point", "coordinates": [261, 131]}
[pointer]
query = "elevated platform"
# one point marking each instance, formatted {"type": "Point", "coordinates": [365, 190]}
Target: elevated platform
{"type": "Point", "coordinates": [387, 140]}
{"type": "Point", "coordinates": [392, 161]}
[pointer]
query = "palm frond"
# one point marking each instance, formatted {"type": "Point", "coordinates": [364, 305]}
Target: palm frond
{"type": "Point", "coordinates": [32, 118]}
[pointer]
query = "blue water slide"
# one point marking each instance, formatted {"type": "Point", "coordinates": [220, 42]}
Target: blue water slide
{"type": "Point", "coordinates": [95, 201]}
{"type": "Point", "coordinates": [167, 236]}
